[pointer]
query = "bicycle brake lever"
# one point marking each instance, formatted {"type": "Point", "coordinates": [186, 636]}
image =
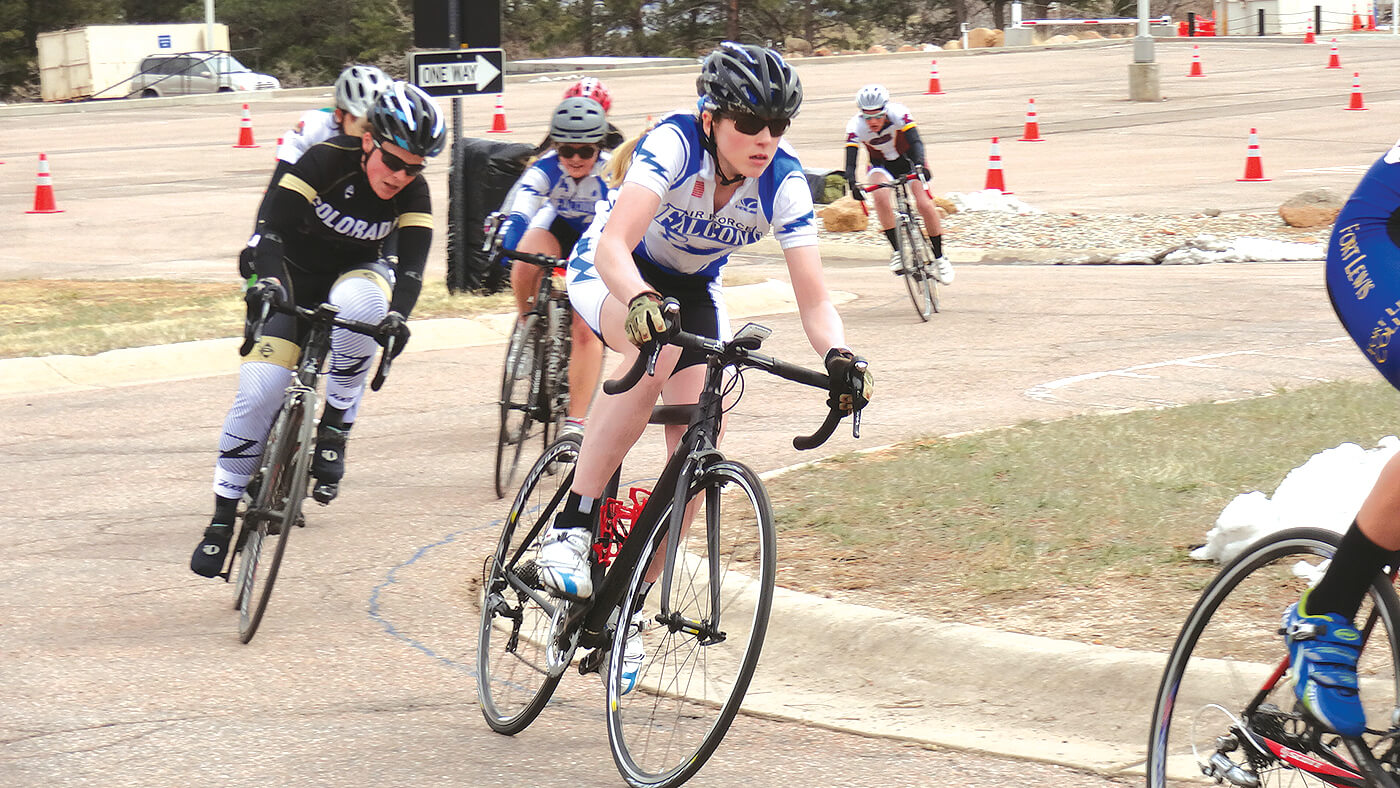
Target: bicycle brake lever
{"type": "Point", "coordinates": [855, 424]}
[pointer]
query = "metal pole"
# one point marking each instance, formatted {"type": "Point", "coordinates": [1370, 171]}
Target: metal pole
{"type": "Point", "coordinates": [1261, 21]}
{"type": "Point", "coordinates": [1142, 44]}
{"type": "Point", "coordinates": [454, 41]}
{"type": "Point", "coordinates": [209, 26]}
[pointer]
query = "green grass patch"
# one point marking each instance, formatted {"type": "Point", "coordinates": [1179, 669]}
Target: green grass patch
{"type": "Point", "coordinates": [1058, 509]}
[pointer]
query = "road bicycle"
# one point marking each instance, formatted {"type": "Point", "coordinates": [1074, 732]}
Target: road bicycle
{"type": "Point", "coordinates": [1226, 710]}
{"type": "Point", "coordinates": [705, 615]}
{"type": "Point", "coordinates": [915, 254]}
{"type": "Point", "coordinates": [272, 501]}
{"type": "Point", "coordinates": [535, 380]}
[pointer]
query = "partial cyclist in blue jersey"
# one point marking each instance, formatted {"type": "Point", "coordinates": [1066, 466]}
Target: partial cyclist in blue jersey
{"type": "Point", "coordinates": [356, 90]}
{"type": "Point", "coordinates": [692, 190]}
{"type": "Point", "coordinates": [549, 208]}
{"type": "Point", "coordinates": [1363, 281]}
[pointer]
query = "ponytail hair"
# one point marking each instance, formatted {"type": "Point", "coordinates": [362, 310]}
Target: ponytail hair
{"type": "Point", "coordinates": [616, 169]}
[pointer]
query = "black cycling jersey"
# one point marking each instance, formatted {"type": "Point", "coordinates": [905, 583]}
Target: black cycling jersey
{"type": "Point", "coordinates": [323, 218]}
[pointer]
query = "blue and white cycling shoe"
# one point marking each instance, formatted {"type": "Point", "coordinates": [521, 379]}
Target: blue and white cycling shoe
{"type": "Point", "coordinates": [564, 562]}
{"type": "Point", "coordinates": [634, 653]}
{"type": "Point", "coordinates": [1324, 649]}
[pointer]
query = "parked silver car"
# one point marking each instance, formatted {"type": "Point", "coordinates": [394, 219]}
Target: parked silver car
{"type": "Point", "coordinates": [184, 73]}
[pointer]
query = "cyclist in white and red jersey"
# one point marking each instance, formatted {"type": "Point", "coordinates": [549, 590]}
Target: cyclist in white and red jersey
{"type": "Point", "coordinates": [696, 187]}
{"type": "Point", "coordinates": [887, 132]}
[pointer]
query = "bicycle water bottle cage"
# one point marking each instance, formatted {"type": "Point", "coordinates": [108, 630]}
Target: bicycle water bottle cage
{"type": "Point", "coordinates": [615, 522]}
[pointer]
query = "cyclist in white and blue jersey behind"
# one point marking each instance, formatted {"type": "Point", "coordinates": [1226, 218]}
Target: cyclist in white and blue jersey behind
{"type": "Point", "coordinates": [695, 188]}
{"type": "Point", "coordinates": [550, 207]}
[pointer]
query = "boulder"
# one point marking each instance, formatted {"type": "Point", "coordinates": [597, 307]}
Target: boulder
{"type": "Point", "coordinates": [877, 50]}
{"type": "Point", "coordinates": [798, 45]}
{"type": "Point", "coordinates": [844, 216]}
{"type": "Point", "coordinates": [822, 52]}
{"type": "Point", "coordinates": [998, 38]}
{"type": "Point", "coordinates": [1311, 208]}
{"type": "Point", "coordinates": [954, 44]}
{"type": "Point", "coordinates": [979, 38]}
{"type": "Point", "coordinates": [1089, 35]}
{"type": "Point", "coordinates": [1060, 39]}
{"type": "Point", "coordinates": [945, 204]}
{"type": "Point", "coordinates": [909, 48]}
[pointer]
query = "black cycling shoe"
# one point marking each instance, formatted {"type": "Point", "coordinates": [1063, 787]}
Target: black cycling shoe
{"type": "Point", "coordinates": [208, 558]}
{"type": "Point", "coordinates": [328, 465]}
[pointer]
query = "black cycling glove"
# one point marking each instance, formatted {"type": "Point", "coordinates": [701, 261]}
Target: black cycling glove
{"type": "Point", "coordinates": [394, 327]}
{"type": "Point", "coordinates": [851, 382]}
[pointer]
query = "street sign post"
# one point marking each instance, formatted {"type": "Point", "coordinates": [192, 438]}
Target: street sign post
{"type": "Point", "coordinates": [460, 72]}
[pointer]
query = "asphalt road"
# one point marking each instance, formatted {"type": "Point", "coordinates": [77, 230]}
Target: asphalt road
{"type": "Point", "coordinates": [121, 668]}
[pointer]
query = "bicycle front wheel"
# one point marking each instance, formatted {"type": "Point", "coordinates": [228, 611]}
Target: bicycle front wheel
{"type": "Point", "coordinates": [918, 278]}
{"type": "Point", "coordinates": [268, 521]}
{"type": "Point", "coordinates": [520, 387]}
{"type": "Point", "coordinates": [518, 662]}
{"type": "Point", "coordinates": [1223, 672]}
{"type": "Point", "coordinates": [702, 634]}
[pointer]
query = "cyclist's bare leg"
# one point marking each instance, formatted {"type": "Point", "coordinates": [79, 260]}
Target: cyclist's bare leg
{"type": "Point", "coordinates": [884, 201]}
{"type": "Point", "coordinates": [1379, 518]}
{"type": "Point", "coordinates": [928, 210]}
{"type": "Point", "coordinates": [618, 419]}
{"type": "Point", "coordinates": [524, 277]}
{"type": "Point", "coordinates": [585, 365]}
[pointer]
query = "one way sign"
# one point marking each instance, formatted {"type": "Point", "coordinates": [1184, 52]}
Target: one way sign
{"type": "Point", "coordinates": [457, 72]}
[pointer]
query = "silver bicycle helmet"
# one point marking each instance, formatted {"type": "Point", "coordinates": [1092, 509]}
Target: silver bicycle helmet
{"type": "Point", "coordinates": [578, 120]}
{"type": "Point", "coordinates": [409, 118]}
{"type": "Point", "coordinates": [749, 78]}
{"type": "Point", "coordinates": [872, 98]}
{"type": "Point", "coordinates": [357, 87]}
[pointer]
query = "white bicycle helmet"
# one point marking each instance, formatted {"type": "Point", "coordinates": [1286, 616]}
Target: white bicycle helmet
{"type": "Point", "coordinates": [357, 87]}
{"type": "Point", "coordinates": [872, 98]}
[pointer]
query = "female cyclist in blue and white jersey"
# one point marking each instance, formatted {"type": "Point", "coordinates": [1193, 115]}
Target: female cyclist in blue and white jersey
{"type": "Point", "coordinates": [548, 209]}
{"type": "Point", "coordinates": [697, 188]}
{"type": "Point", "coordinates": [1363, 281]}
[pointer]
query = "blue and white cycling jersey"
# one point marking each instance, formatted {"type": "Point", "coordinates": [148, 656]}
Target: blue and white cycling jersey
{"type": "Point", "coordinates": [546, 192]}
{"type": "Point", "coordinates": [688, 235]}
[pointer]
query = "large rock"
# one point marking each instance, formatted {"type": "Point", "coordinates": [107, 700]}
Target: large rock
{"type": "Point", "coordinates": [795, 44]}
{"type": "Point", "coordinates": [1060, 38]}
{"type": "Point", "coordinates": [1089, 35]}
{"type": "Point", "coordinates": [954, 44]}
{"type": "Point", "coordinates": [876, 49]}
{"type": "Point", "coordinates": [945, 204]}
{"type": "Point", "coordinates": [1311, 208]}
{"type": "Point", "coordinates": [980, 37]}
{"type": "Point", "coordinates": [844, 216]}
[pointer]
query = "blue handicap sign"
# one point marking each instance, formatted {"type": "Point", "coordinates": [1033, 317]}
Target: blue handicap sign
{"type": "Point", "coordinates": [163, 41]}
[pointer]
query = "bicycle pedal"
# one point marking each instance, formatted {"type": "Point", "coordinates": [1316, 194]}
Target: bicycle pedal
{"type": "Point", "coordinates": [592, 662]}
{"type": "Point", "coordinates": [325, 493]}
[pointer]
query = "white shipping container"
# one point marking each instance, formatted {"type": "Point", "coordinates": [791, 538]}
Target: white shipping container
{"type": "Point", "coordinates": [96, 61]}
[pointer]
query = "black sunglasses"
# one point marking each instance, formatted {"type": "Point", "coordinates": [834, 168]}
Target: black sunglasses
{"type": "Point", "coordinates": [396, 164]}
{"type": "Point", "coordinates": [577, 152]}
{"type": "Point", "coordinates": [750, 124]}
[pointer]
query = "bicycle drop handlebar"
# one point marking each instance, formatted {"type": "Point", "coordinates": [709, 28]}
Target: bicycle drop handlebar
{"type": "Point", "coordinates": [739, 352]}
{"type": "Point", "coordinates": [326, 314]}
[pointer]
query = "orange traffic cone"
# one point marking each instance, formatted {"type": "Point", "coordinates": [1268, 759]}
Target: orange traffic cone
{"type": "Point", "coordinates": [1355, 18]}
{"type": "Point", "coordinates": [1196, 63]}
{"type": "Point", "coordinates": [1332, 60]}
{"type": "Point", "coordinates": [1254, 164]}
{"type": "Point", "coordinates": [1371, 21]}
{"type": "Point", "coordinates": [498, 123]}
{"type": "Point", "coordinates": [245, 131]}
{"type": "Point", "coordinates": [935, 88]}
{"type": "Point", "coordinates": [1310, 37]}
{"type": "Point", "coordinates": [994, 173]}
{"type": "Point", "coordinates": [1032, 132]}
{"type": "Point", "coordinates": [277, 151]}
{"type": "Point", "coordinates": [1356, 103]}
{"type": "Point", "coordinates": [43, 189]}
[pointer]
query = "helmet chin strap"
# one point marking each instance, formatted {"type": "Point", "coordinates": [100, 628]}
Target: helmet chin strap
{"type": "Point", "coordinates": [707, 141]}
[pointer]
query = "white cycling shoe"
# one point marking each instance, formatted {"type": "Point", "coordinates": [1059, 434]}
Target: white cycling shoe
{"type": "Point", "coordinates": [564, 562]}
{"type": "Point", "coordinates": [943, 270]}
{"type": "Point", "coordinates": [634, 653]}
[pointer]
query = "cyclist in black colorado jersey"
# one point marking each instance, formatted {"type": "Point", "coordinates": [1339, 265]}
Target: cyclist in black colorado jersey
{"type": "Point", "coordinates": [327, 219]}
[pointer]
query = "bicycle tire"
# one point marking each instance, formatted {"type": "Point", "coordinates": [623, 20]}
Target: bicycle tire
{"type": "Point", "coordinates": [917, 278]}
{"type": "Point", "coordinates": [688, 692]}
{"type": "Point", "coordinates": [516, 672]}
{"type": "Point", "coordinates": [519, 388]}
{"type": "Point", "coordinates": [284, 470]}
{"type": "Point", "coordinates": [555, 397]}
{"type": "Point", "coordinates": [1229, 646]}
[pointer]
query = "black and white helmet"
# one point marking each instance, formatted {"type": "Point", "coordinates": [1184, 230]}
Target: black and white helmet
{"type": "Point", "coordinates": [578, 120]}
{"type": "Point", "coordinates": [749, 78]}
{"type": "Point", "coordinates": [409, 118]}
{"type": "Point", "coordinates": [357, 87]}
{"type": "Point", "coordinates": [872, 98]}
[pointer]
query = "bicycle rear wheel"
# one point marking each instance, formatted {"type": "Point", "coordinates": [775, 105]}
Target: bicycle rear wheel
{"type": "Point", "coordinates": [268, 521]}
{"type": "Point", "coordinates": [1220, 675]}
{"type": "Point", "coordinates": [555, 395]}
{"type": "Point", "coordinates": [705, 632]}
{"type": "Point", "coordinates": [518, 664]}
{"type": "Point", "coordinates": [520, 389]}
{"type": "Point", "coordinates": [917, 276]}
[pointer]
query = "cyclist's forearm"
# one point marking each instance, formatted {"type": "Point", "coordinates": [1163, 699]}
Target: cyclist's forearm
{"type": "Point", "coordinates": [852, 152]}
{"type": "Point", "coordinates": [916, 146]}
{"type": "Point", "coordinates": [413, 259]}
{"type": "Point", "coordinates": [820, 320]}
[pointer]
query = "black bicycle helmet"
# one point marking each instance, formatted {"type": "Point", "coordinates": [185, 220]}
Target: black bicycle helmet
{"type": "Point", "coordinates": [749, 78]}
{"type": "Point", "coordinates": [578, 120]}
{"type": "Point", "coordinates": [406, 116]}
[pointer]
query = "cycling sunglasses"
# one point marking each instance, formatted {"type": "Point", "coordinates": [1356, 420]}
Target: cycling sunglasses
{"type": "Point", "coordinates": [396, 164]}
{"type": "Point", "coordinates": [750, 124]}
{"type": "Point", "coordinates": [577, 151]}
{"type": "Point", "coordinates": [879, 113]}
